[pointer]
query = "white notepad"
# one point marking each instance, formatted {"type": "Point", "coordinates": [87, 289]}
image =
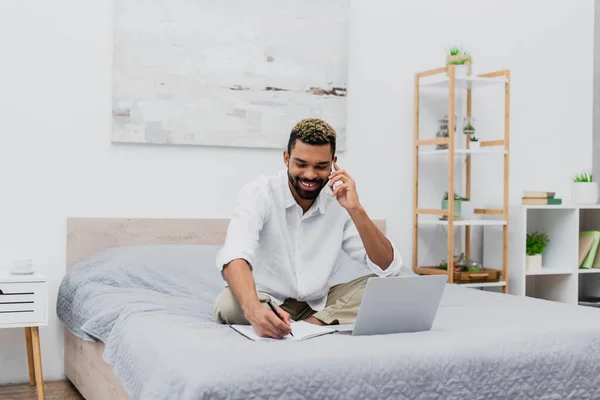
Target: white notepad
{"type": "Point", "coordinates": [301, 330]}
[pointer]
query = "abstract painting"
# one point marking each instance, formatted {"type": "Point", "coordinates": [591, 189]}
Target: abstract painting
{"type": "Point", "coordinates": [228, 72]}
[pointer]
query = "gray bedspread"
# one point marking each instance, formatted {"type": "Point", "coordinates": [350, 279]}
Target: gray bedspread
{"type": "Point", "coordinates": [151, 306]}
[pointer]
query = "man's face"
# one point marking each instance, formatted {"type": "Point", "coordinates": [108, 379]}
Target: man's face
{"type": "Point", "coordinates": [309, 167]}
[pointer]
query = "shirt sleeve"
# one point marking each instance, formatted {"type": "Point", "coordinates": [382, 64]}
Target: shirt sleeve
{"type": "Point", "coordinates": [353, 246]}
{"type": "Point", "coordinates": [247, 220]}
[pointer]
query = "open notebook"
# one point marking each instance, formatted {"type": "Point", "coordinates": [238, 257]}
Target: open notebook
{"type": "Point", "coordinates": [301, 330]}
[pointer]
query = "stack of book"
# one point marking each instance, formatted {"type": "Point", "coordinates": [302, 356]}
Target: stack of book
{"type": "Point", "coordinates": [543, 198]}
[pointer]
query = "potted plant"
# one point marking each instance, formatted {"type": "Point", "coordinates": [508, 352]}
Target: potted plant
{"type": "Point", "coordinates": [458, 202]}
{"type": "Point", "coordinates": [474, 142]}
{"type": "Point", "coordinates": [468, 128]}
{"type": "Point", "coordinates": [584, 189]}
{"type": "Point", "coordinates": [461, 60]}
{"type": "Point", "coordinates": [466, 208]}
{"type": "Point", "coordinates": [535, 245]}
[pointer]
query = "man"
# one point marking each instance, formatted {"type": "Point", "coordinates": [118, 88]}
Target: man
{"type": "Point", "coordinates": [285, 235]}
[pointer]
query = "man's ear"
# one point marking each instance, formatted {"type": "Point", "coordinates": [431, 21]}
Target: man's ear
{"type": "Point", "coordinates": [286, 158]}
{"type": "Point", "coordinates": [334, 159]}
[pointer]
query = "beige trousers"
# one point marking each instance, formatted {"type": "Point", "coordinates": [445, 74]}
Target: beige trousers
{"type": "Point", "coordinates": [343, 302]}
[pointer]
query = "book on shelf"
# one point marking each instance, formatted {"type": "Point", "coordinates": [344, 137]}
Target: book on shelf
{"type": "Point", "coordinates": [590, 257]}
{"type": "Point", "coordinates": [538, 195]}
{"type": "Point", "coordinates": [540, 198]}
{"type": "Point", "coordinates": [585, 245]}
{"type": "Point", "coordinates": [551, 201]}
{"type": "Point", "coordinates": [596, 263]}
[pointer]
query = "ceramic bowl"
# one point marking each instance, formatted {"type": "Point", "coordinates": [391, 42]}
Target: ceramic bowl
{"type": "Point", "coordinates": [21, 267]}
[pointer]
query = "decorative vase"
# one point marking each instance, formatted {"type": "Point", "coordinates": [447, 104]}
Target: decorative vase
{"type": "Point", "coordinates": [474, 145]}
{"type": "Point", "coordinates": [584, 193]}
{"type": "Point", "coordinates": [468, 126]}
{"type": "Point", "coordinates": [457, 207]}
{"type": "Point", "coordinates": [460, 71]}
{"type": "Point", "coordinates": [442, 133]}
{"type": "Point", "coordinates": [533, 263]}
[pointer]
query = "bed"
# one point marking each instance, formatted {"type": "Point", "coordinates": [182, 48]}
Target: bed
{"type": "Point", "coordinates": [137, 299]}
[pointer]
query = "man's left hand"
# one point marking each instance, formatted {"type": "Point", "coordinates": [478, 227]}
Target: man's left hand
{"type": "Point", "coordinates": [346, 191]}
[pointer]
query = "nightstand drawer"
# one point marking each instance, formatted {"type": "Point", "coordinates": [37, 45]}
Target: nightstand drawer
{"type": "Point", "coordinates": [22, 302]}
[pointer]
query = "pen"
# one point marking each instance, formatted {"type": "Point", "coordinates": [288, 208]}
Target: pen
{"type": "Point", "coordinates": [276, 313]}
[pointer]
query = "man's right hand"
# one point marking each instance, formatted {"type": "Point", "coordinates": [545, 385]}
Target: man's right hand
{"type": "Point", "coordinates": [266, 323]}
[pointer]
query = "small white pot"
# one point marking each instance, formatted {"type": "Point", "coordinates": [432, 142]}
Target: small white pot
{"type": "Point", "coordinates": [533, 263]}
{"type": "Point", "coordinates": [474, 145]}
{"type": "Point", "coordinates": [584, 193]}
{"type": "Point", "coordinates": [461, 70]}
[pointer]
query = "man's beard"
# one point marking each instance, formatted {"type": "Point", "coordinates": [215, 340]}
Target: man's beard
{"type": "Point", "coordinates": [307, 194]}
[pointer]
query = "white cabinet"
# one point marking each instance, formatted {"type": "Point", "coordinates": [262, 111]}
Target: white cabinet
{"type": "Point", "coordinates": [560, 278]}
{"type": "Point", "coordinates": [24, 304]}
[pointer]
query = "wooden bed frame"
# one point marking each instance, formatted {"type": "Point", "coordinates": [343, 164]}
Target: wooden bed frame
{"type": "Point", "coordinates": [84, 365]}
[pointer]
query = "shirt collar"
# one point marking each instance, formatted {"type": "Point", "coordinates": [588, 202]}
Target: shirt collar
{"type": "Point", "coordinates": [322, 199]}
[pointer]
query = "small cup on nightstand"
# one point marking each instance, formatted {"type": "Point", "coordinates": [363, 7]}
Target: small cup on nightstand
{"type": "Point", "coordinates": [21, 267]}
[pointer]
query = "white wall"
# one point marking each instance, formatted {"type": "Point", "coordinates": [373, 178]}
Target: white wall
{"type": "Point", "coordinates": [596, 119]}
{"type": "Point", "coordinates": [56, 160]}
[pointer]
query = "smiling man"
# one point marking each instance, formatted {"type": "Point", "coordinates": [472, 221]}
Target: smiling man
{"type": "Point", "coordinates": [284, 238]}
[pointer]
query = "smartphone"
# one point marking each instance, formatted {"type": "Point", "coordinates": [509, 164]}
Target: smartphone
{"type": "Point", "coordinates": [338, 183]}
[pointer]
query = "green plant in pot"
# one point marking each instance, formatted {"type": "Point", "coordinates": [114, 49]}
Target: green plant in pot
{"type": "Point", "coordinates": [469, 129]}
{"type": "Point", "coordinates": [461, 59]}
{"type": "Point", "coordinates": [458, 200]}
{"type": "Point", "coordinates": [584, 190]}
{"type": "Point", "coordinates": [535, 245]}
{"type": "Point", "coordinates": [474, 143]}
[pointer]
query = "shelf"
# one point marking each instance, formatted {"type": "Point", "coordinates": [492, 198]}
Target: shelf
{"type": "Point", "coordinates": [551, 271]}
{"type": "Point", "coordinates": [589, 271]}
{"type": "Point", "coordinates": [463, 151]}
{"type": "Point", "coordinates": [483, 284]}
{"type": "Point", "coordinates": [461, 82]}
{"type": "Point", "coordinates": [465, 222]}
{"type": "Point", "coordinates": [560, 279]}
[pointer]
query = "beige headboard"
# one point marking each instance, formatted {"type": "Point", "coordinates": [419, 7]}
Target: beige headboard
{"type": "Point", "coordinates": [87, 236]}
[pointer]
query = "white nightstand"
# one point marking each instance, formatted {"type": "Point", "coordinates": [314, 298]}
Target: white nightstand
{"type": "Point", "coordinates": [24, 304]}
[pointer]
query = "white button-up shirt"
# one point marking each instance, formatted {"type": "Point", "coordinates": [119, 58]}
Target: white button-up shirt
{"type": "Point", "coordinates": [293, 255]}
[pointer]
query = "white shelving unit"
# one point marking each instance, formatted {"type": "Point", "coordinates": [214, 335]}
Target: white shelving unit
{"type": "Point", "coordinates": [560, 279]}
{"type": "Point", "coordinates": [456, 92]}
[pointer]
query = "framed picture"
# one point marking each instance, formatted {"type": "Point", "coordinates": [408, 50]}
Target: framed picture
{"type": "Point", "coordinates": [229, 72]}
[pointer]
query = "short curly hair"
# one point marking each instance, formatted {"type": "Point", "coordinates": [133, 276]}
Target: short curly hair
{"type": "Point", "coordinates": [312, 131]}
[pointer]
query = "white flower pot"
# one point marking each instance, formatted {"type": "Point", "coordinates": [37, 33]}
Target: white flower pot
{"type": "Point", "coordinates": [584, 193]}
{"type": "Point", "coordinates": [533, 263]}
{"type": "Point", "coordinates": [461, 70]}
{"type": "Point", "coordinates": [474, 145]}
